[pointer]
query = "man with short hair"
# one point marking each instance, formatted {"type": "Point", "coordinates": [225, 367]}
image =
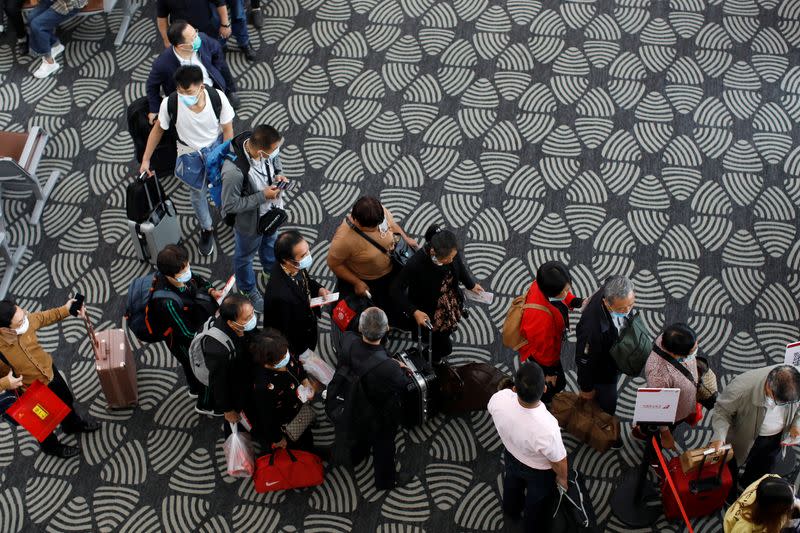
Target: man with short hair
{"type": "Point", "coordinates": [755, 412]}
{"type": "Point", "coordinates": [182, 315]}
{"type": "Point", "coordinates": [604, 317]}
{"type": "Point", "coordinates": [188, 46]}
{"type": "Point", "coordinates": [199, 129]}
{"type": "Point", "coordinates": [384, 382]}
{"type": "Point", "coordinates": [21, 352]}
{"type": "Point", "coordinates": [250, 188]}
{"type": "Point", "coordinates": [289, 291]}
{"type": "Point", "coordinates": [535, 457]}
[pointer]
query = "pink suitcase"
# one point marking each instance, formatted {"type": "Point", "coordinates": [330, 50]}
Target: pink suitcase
{"type": "Point", "coordinates": [116, 367]}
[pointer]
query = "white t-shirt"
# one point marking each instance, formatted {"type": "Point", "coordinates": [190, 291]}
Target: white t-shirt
{"type": "Point", "coordinates": [197, 130]}
{"type": "Point", "coordinates": [530, 435]}
{"type": "Point", "coordinates": [774, 421]}
{"type": "Point", "coordinates": [195, 60]}
{"type": "Point", "coordinates": [260, 172]}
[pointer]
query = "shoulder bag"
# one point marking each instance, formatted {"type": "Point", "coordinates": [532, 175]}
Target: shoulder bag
{"type": "Point", "coordinates": [400, 253]}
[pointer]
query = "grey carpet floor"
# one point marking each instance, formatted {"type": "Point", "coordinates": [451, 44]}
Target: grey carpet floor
{"type": "Point", "coordinates": [655, 139]}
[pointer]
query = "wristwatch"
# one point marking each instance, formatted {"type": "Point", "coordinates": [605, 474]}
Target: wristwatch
{"type": "Point", "coordinates": [228, 25]}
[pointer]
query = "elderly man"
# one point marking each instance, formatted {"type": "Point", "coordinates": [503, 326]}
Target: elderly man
{"type": "Point", "coordinates": [604, 317]}
{"type": "Point", "coordinates": [755, 412]}
{"type": "Point", "coordinates": [384, 383]}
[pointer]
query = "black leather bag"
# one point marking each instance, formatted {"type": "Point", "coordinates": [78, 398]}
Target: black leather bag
{"type": "Point", "coordinates": [270, 221]}
{"type": "Point", "coordinates": [400, 253]}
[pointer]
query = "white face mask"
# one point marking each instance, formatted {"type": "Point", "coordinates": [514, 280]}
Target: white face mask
{"type": "Point", "coordinates": [383, 227]}
{"type": "Point", "coordinates": [769, 402]}
{"type": "Point", "coordinates": [24, 327]}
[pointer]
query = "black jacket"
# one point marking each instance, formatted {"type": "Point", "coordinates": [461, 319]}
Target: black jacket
{"type": "Point", "coordinates": [286, 308]}
{"type": "Point", "coordinates": [229, 375]}
{"type": "Point", "coordinates": [596, 334]}
{"type": "Point", "coordinates": [184, 321]}
{"type": "Point", "coordinates": [274, 402]}
{"type": "Point", "coordinates": [418, 286]}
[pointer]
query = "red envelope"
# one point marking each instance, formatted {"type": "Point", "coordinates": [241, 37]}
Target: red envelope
{"type": "Point", "coordinates": [38, 410]}
{"type": "Point", "coordinates": [342, 315]}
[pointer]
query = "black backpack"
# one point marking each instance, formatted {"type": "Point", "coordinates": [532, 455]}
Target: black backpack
{"type": "Point", "coordinates": [172, 107]}
{"type": "Point", "coordinates": [163, 159]}
{"type": "Point", "coordinates": [140, 293]}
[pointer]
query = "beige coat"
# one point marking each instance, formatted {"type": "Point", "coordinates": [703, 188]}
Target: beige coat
{"type": "Point", "coordinates": [26, 355]}
{"type": "Point", "coordinates": [740, 411]}
{"type": "Point", "coordinates": [734, 522]}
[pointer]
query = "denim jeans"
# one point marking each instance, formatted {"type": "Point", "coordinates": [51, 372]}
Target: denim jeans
{"type": "Point", "coordinates": [245, 249]}
{"type": "Point", "coordinates": [238, 20]}
{"type": "Point", "coordinates": [42, 27]}
{"type": "Point", "coordinates": [201, 210]}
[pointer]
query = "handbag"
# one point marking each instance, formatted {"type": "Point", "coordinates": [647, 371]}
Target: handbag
{"type": "Point", "coordinates": [38, 410]}
{"type": "Point", "coordinates": [632, 348]}
{"type": "Point", "coordinates": [269, 222]}
{"type": "Point", "coordinates": [287, 469]}
{"type": "Point", "coordinates": [300, 423]}
{"type": "Point", "coordinates": [585, 420]}
{"type": "Point", "coordinates": [400, 253]}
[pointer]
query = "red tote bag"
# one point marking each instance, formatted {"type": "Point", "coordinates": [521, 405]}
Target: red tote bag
{"type": "Point", "coordinates": [38, 410]}
{"type": "Point", "coordinates": [286, 469]}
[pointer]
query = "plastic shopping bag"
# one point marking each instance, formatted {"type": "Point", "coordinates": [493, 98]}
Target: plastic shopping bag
{"type": "Point", "coordinates": [316, 367]}
{"type": "Point", "coordinates": [239, 454]}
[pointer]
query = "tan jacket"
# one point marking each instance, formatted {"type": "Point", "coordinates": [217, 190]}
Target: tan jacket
{"type": "Point", "coordinates": [734, 523]}
{"type": "Point", "coordinates": [26, 355]}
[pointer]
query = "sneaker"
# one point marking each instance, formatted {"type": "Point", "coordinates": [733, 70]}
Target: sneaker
{"type": "Point", "coordinates": [62, 450]}
{"type": "Point", "coordinates": [56, 50]}
{"type": "Point", "coordinates": [257, 18]}
{"type": "Point", "coordinates": [256, 299]}
{"type": "Point", "coordinates": [192, 395]}
{"type": "Point", "coordinates": [45, 69]}
{"type": "Point", "coordinates": [202, 411]}
{"type": "Point", "coordinates": [249, 53]}
{"type": "Point", "coordinates": [206, 242]}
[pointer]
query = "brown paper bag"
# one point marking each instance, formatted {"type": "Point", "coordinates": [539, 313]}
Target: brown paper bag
{"type": "Point", "coordinates": [585, 420]}
{"type": "Point", "coordinates": [691, 459]}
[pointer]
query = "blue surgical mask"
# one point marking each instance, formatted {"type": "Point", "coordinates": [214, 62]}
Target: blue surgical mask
{"type": "Point", "coordinates": [618, 315]}
{"type": "Point", "coordinates": [185, 277]}
{"type": "Point", "coordinates": [250, 325]}
{"type": "Point", "coordinates": [274, 154]}
{"type": "Point", "coordinates": [306, 261]}
{"type": "Point", "coordinates": [188, 100]}
{"type": "Point", "coordinates": [283, 362]}
{"type": "Point", "coordinates": [196, 43]}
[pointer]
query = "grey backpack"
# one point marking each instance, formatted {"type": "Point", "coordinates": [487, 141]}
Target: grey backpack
{"type": "Point", "coordinates": [196, 355]}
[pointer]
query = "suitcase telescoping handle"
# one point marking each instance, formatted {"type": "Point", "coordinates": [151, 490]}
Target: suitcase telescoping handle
{"type": "Point", "coordinates": [429, 327]}
{"type": "Point", "coordinates": [92, 337]}
{"type": "Point", "coordinates": [722, 463]}
{"type": "Point", "coordinates": [142, 177]}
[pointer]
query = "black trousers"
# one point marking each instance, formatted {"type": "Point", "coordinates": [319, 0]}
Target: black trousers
{"type": "Point", "coordinates": [381, 442]}
{"type": "Point", "coordinates": [561, 381]}
{"type": "Point", "coordinates": [761, 460]}
{"type": "Point", "coordinates": [530, 490]}
{"type": "Point", "coordinates": [381, 297]}
{"type": "Point", "coordinates": [606, 396]}
{"type": "Point", "coordinates": [72, 422]}
{"type": "Point", "coordinates": [181, 353]}
{"type": "Point", "coordinates": [13, 10]}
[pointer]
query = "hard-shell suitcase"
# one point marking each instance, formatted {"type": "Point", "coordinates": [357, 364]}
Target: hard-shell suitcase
{"type": "Point", "coordinates": [702, 492]}
{"type": "Point", "coordinates": [116, 367]}
{"type": "Point", "coordinates": [160, 229]}
{"type": "Point", "coordinates": [418, 404]}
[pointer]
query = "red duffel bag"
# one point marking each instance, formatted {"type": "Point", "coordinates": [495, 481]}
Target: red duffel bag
{"type": "Point", "coordinates": [38, 410]}
{"type": "Point", "coordinates": [288, 469]}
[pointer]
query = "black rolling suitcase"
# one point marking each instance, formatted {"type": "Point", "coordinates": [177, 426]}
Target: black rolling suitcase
{"type": "Point", "coordinates": [418, 404]}
{"type": "Point", "coordinates": [163, 159]}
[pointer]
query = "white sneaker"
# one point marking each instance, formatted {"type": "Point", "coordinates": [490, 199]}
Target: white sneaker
{"type": "Point", "coordinates": [56, 50]}
{"type": "Point", "coordinates": [45, 69]}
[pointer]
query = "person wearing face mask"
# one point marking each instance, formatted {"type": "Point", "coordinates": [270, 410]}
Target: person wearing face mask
{"type": "Point", "coordinates": [604, 316]}
{"type": "Point", "coordinates": [427, 288]}
{"type": "Point", "coordinates": [250, 188]}
{"type": "Point", "coordinates": [362, 268]}
{"type": "Point", "coordinates": [188, 46]}
{"type": "Point", "coordinates": [197, 13]}
{"type": "Point", "coordinates": [203, 119]}
{"type": "Point", "coordinates": [181, 321]}
{"type": "Point", "coordinates": [290, 288]}
{"type": "Point", "coordinates": [229, 372]}
{"type": "Point", "coordinates": [544, 325]}
{"type": "Point", "coordinates": [21, 352]}
{"type": "Point", "coordinates": [757, 411]}
{"type": "Point", "coordinates": [275, 401]}
{"type": "Point", "coordinates": [672, 364]}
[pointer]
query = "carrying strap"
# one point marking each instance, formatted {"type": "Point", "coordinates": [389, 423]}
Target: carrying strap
{"type": "Point", "coordinates": [220, 336]}
{"type": "Point", "coordinates": [671, 360]}
{"type": "Point", "coordinates": [671, 484]}
{"type": "Point", "coordinates": [366, 237]}
{"type": "Point", "coordinates": [539, 307]}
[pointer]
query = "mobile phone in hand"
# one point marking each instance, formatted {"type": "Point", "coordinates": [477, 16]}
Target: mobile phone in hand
{"type": "Point", "coordinates": [283, 185]}
{"type": "Point", "coordinates": [76, 305]}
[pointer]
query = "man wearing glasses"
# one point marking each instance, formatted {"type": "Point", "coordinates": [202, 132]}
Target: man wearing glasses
{"type": "Point", "coordinates": [757, 411]}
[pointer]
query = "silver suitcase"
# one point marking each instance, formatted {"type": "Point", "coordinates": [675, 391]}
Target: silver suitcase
{"type": "Point", "coordinates": [160, 229]}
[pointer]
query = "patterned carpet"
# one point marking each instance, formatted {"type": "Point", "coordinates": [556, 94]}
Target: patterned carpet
{"type": "Point", "coordinates": [656, 139]}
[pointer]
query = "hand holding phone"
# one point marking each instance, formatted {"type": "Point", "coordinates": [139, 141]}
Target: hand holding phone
{"type": "Point", "coordinates": [76, 305]}
{"type": "Point", "coordinates": [283, 185]}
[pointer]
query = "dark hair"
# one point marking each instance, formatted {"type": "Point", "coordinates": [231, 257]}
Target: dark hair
{"type": "Point", "coordinates": [264, 136]}
{"type": "Point", "coordinates": [678, 339]}
{"type": "Point", "coordinates": [441, 241]}
{"type": "Point", "coordinates": [772, 506]}
{"type": "Point", "coordinates": [188, 75]}
{"type": "Point", "coordinates": [172, 259]}
{"type": "Point", "coordinates": [529, 382]}
{"type": "Point", "coordinates": [284, 245]}
{"type": "Point", "coordinates": [175, 32]}
{"type": "Point", "coordinates": [8, 309]}
{"type": "Point", "coordinates": [268, 347]}
{"type": "Point", "coordinates": [231, 306]}
{"type": "Point", "coordinates": [368, 211]}
{"type": "Point", "coordinates": [784, 381]}
{"type": "Point", "coordinates": [552, 277]}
